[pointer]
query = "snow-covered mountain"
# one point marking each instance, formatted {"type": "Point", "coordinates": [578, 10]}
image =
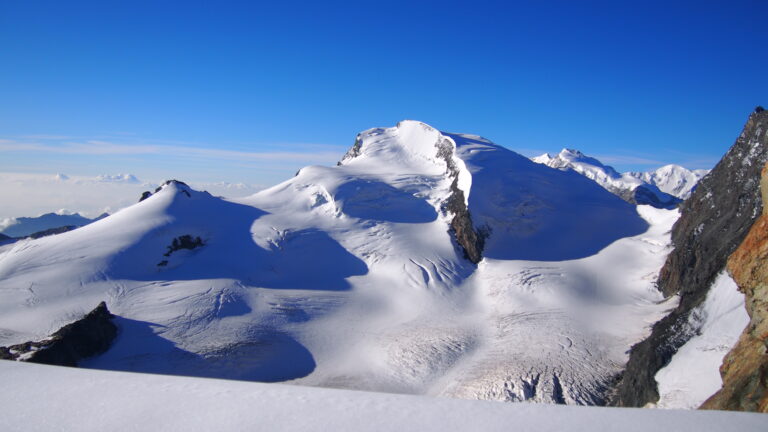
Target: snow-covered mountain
{"type": "Point", "coordinates": [425, 263]}
{"type": "Point", "coordinates": [663, 188]}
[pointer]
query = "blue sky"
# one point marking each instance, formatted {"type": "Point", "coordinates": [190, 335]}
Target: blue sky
{"type": "Point", "coordinates": [251, 91]}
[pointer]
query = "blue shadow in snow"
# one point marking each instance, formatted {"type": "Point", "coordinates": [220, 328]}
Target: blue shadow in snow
{"type": "Point", "coordinates": [270, 356]}
{"type": "Point", "coordinates": [374, 200]}
{"type": "Point", "coordinates": [303, 259]}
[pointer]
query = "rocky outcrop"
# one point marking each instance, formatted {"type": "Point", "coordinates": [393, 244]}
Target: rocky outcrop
{"type": "Point", "coordinates": [86, 337]}
{"type": "Point", "coordinates": [745, 368]}
{"type": "Point", "coordinates": [713, 222]}
{"type": "Point", "coordinates": [470, 240]}
{"type": "Point", "coordinates": [147, 194]}
{"type": "Point", "coordinates": [352, 152]}
{"type": "Point", "coordinates": [184, 242]}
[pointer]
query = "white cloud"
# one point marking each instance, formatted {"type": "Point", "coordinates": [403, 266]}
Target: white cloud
{"type": "Point", "coordinates": [31, 194]}
{"type": "Point", "coordinates": [97, 147]}
{"type": "Point", "coordinates": [119, 178]}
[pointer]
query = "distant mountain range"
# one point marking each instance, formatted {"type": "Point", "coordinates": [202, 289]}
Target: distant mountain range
{"type": "Point", "coordinates": [665, 187]}
{"type": "Point", "coordinates": [47, 224]}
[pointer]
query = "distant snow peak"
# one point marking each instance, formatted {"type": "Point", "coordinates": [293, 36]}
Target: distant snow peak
{"type": "Point", "coordinates": [673, 179]}
{"type": "Point", "coordinates": [664, 188]}
{"type": "Point", "coordinates": [61, 177]}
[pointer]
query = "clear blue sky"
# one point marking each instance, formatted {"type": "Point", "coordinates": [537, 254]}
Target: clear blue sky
{"type": "Point", "coordinates": [633, 82]}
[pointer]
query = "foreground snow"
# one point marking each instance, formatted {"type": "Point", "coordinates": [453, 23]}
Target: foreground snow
{"type": "Point", "coordinates": [44, 398]}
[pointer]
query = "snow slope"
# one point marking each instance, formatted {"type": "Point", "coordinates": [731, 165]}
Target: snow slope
{"type": "Point", "coordinates": [664, 184]}
{"type": "Point", "coordinates": [693, 374]}
{"type": "Point", "coordinates": [80, 400]}
{"type": "Point", "coordinates": [350, 277]}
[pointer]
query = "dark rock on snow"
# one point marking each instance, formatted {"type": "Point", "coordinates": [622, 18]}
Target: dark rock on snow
{"type": "Point", "coordinates": [184, 242]}
{"type": "Point", "coordinates": [86, 337]}
{"type": "Point", "coordinates": [713, 222]}
{"type": "Point", "coordinates": [462, 227]}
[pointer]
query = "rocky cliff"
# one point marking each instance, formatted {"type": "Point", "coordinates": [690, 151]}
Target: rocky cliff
{"type": "Point", "coordinates": [713, 222]}
{"type": "Point", "coordinates": [86, 337]}
{"type": "Point", "coordinates": [745, 368]}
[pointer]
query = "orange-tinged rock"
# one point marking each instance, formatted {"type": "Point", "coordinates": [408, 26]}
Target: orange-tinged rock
{"type": "Point", "coordinates": [745, 368]}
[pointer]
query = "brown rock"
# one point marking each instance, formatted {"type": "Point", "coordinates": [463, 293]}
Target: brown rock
{"type": "Point", "coordinates": [745, 368]}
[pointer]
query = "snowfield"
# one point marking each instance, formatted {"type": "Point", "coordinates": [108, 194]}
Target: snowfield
{"type": "Point", "coordinates": [349, 277]}
{"type": "Point", "coordinates": [693, 374]}
{"type": "Point", "coordinates": [98, 400]}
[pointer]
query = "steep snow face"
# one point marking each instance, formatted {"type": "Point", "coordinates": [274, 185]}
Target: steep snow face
{"type": "Point", "coordinates": [693, 374]}
{"type": "Point", "coordinates": [672, 179]}
{"type": "Point", "coordinates": [531, 212]}
{"type": "Point", "coordinates": [350, 276]}
{"type": "Point", "coordinates": [629, 186]}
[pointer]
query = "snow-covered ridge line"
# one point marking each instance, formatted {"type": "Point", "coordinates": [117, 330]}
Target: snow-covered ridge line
{"type": "Point", "coordinates": [664, 187]}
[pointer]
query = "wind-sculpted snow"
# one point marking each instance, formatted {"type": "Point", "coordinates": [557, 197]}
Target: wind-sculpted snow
{"type": "Point", "coordinates": [356, 276]}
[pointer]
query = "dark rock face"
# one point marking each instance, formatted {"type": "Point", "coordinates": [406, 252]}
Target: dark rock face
{"type": "Point", "coordinates": [462, 227]}
{"type": "Point", "coordinates": [184, 242]}
{"type": "Point", "coordinates": [745, 368]}
{"type": "Point", "coordinates": [352, 152]}
{"type": "Point", "coordinates": [145, 195]}
{"type": "Point", "coordinates": [713, 222]}
{"type": "Point", "coordinates": [470, 241]}
{"type": "Point", "coordinates": [86, 337]}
